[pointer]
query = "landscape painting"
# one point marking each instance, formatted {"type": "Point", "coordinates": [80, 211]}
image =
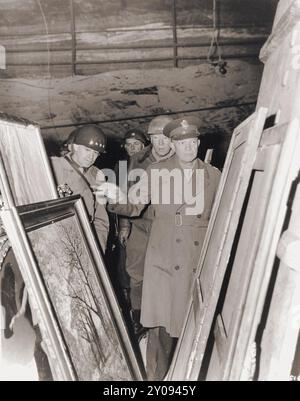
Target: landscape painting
{"type": "Point", "coordinates": [83, 328]}
{"type": "Point", "coordinates": [79, 304]}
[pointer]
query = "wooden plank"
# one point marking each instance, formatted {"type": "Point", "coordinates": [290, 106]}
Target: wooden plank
{"type": "Point", "coordinates": [283, 5]}
{"type": "Point", "coordinates": [91, 14]}
{"type": "Point", "coordinates": [283, 68]}
{"type": "Point", "coordinates": [36, 42]}
{"type": "Point", "coordinates": [114, 56]}
{"type": "Point", "coordinates": [275, 169]}
{"type": "Point", "coordinates": [288, 166]}
{"type": "Point", "coordinates": [281, 330]}
{"type": "Point", "coordinates": [196, 35]}
{"type": "Point", "coordinates": [217, 245]}
{"type": "Point", "coordinates": [282, 29]}
{"type": "Point", "coordinates": [241, 273]}
{"type": "Point", "coordinates": [193, 12]}
{"type": "Point", "coordinates": [231, 13]}
{"type": "Point", "coordinates": [25, 16]}
{"type": "Point", "coordinates": [38, 58]}
{"type": "Point", "coordinates": [279, 325]}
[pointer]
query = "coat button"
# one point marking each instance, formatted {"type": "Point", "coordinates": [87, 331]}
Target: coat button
{"type": "Point", "coordinates": [199, 216]}
{"type": "Point", "coordinates": [196, 243]}
{"type": "Point", "coordinates": [176, 267]}
{"type": "Point", "coordinates": [178, 240]}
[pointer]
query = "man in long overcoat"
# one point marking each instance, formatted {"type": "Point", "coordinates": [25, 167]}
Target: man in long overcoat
{"type": "Point", "coordinates": [135, 231]}
{"type": "Point", "coordinates": [182, 209]}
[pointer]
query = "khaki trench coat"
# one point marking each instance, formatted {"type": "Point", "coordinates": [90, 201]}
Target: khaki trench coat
{"type": "Point", "coordinates": [174, 247]}
{"type": "Point", "coordinates": [140, 230]}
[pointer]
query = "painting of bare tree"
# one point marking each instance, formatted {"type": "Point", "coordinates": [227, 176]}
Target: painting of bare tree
{"type": "Point", "coordinates": [80, 305]}
{"type": "Point", "coordinates": [83, 330]}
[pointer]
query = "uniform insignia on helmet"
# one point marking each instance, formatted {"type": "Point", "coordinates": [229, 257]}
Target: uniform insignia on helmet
{"type": "Point", "coordinates": [184, 124]}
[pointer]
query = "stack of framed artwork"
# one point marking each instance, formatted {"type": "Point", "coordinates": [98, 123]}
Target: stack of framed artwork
{"type": "Point", "coordinates": [217, 247]}
{"type": "Point", "coordinates": [243, 319]}
{"type": "Point", "coordinates": [238, 257]}
{"type": "Point", "coordinates": [70, 295]}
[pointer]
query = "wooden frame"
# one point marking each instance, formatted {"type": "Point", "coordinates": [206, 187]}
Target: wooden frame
{"type": "Point", "coordinates": [25, 172]}
{"type": "Point", "coordinates": [278, 164]}
{"type": "Point", "coordinates": [280, 345]}
{"type": "Point", "coordinates": [216, 249]}
{"type": "Point", "coordinates": [70, 292]}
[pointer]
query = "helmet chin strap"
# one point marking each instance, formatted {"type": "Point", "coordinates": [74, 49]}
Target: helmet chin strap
{"type": "Point", "coordinates": [79, 167]}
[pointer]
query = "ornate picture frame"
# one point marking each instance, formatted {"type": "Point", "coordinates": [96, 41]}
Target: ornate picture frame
{"type": "Point", "coordinates": [85, 337]}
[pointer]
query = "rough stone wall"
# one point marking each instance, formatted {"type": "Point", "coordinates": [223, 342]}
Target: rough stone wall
{"type": "Point", "coordinates": [125, 62]}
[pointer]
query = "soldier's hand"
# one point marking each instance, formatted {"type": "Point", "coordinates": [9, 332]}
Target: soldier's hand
{"type": "Point", "coordinates": [124, 235]}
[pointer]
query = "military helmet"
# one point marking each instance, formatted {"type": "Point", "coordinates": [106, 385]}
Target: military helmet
{"type": "Point", "coordinates": [157, 125]}
{"type": "Point", "coordinates": [90, 136]}
{"type": "Point", "coordinates": [70, 138]}
{"type": "Point", "coordinates": [136, 134]}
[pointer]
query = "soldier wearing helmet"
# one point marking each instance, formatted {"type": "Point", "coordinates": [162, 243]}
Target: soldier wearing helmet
{"type": "Point", "coordinates": [134, 141]}
{"type": "Point", "coordinates": [75, 173]}
{"type": "Point", "coordinates": [134, 233]}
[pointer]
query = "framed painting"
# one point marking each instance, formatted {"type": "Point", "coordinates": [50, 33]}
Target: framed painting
{"type": "Point", "coordinates": [25, 172]}
{"type": "Point", "coordinates": [84, 334]}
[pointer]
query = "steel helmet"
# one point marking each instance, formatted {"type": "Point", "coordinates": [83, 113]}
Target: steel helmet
{"type": "Point", "coordinates": [157, 124]}
{"type": "Point", "coordinates": [90, 136]}
{"type": "Point", "coordinates": [70, 138]}
{"type": "Point", "coordinates": [136, 134]}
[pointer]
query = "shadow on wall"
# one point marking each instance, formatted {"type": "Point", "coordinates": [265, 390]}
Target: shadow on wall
{"type": "Point", "coordinates": [218, 141]}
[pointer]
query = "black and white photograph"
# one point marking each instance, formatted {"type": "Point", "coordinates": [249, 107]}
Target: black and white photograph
{"type": "Point", "coordinates": [149, 193]}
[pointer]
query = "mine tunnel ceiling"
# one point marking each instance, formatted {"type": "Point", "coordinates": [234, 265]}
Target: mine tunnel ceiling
{"type": "Point", "coordinates": [97, 36]}
{"type": "Point", "coordinates": [138, 58]}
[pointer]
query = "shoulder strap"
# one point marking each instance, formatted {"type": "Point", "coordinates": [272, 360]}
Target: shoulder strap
{"type": "Point", "coordinates": [75, 167]}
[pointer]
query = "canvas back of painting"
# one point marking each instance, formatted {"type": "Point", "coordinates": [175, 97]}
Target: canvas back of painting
{"type": "Point", "coordinates": [25, 172]}
{"type": "Point", "coordinates": [25, 178]}
{"type": "Point", "coordinates": [217, 247]}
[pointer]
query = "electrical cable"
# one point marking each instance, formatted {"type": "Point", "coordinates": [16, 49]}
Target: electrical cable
{"type": "Point", "coordinates": [215, 45]}
{"type": "Point", "coordinates": [49, 62]}
{"type": "Point", "coordinates": [149, 116]}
